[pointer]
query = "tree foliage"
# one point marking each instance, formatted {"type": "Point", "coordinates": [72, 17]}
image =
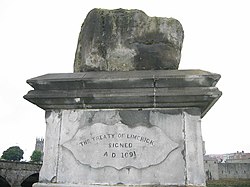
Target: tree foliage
{"type": "Point", "coordinates": [36, 156]}
{"type": "Point", "coordinates": [14, 153]}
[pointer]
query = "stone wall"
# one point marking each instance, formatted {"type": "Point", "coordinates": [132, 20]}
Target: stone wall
{"type": "Point", "coordinates": [211, 169]}
{"type": "Point", "coordinates": [15, 173]}
{"type": "Point", "coordinates": [216, 171]}
{"type": "Point", "coordinates": [234, 170]}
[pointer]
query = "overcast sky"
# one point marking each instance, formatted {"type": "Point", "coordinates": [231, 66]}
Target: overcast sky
{"type": "Point", "coordinates": [39, 37]}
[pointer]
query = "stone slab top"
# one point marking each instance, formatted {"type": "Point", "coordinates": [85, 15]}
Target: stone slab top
{"type": "Point", "coordinates": [139, 79]}
{"type": "Point", "coordinates": [125, 90]}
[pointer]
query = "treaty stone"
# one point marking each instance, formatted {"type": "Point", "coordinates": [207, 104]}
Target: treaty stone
{"type": "Point", "coordinates": [126, 40]}
{"type": "Point", "coordinates": [126, 116]}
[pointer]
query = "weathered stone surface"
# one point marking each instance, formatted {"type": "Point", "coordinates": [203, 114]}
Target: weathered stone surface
{"type": "Point", "coordinates": [181, 167]}
{"type": "Point", "coordinates": [119, 146]}
{"type": "Point", "coordinates": [134, 89]}
{"type": "Point", "coordinates": [124, 40]}
{"type": "Point", "coordinates": [17, 173]}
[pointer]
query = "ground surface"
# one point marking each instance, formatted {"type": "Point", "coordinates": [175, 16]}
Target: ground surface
{"type": "Point", "coordinates": [229, 183]}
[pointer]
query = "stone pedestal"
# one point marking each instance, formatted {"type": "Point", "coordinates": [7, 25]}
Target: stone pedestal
{"type": "Point", "coordinates": [138, 128]}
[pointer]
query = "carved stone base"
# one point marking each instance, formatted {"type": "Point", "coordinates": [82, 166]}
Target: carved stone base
{"type": "Point", "coordinates": [124, 128]}
{"type": "Point", "coordinates": [129, 147]}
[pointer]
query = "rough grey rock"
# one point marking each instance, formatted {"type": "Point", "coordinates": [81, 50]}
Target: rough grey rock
{"type": "Point", "coordinates": [125, 40]}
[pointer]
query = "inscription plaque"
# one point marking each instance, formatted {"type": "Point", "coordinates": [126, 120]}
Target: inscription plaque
{"type": "Point", "coordinates": [120, 146]}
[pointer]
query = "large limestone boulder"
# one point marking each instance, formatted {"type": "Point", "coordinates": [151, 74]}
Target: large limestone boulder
{"type": "Point", "coordinates": [126, 40]}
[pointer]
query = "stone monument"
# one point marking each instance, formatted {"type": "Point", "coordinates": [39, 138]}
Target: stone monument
{"type": "Point", "coordinates": [127, 115]}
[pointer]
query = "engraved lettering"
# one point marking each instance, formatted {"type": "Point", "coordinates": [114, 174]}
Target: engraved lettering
{"type": "Point", "coordinates": [105, 154]}
{"type": "Point", "coordinates": [85, 142]}
{"type": "Point", "coordinates": [119, 146]}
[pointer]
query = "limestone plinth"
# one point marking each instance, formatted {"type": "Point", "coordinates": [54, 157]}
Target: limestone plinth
{"type": "Point", "coordinates": [138, 128]}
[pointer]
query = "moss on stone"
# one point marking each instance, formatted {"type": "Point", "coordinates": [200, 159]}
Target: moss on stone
{"type": "Point", "coordinates": [106, 30]}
